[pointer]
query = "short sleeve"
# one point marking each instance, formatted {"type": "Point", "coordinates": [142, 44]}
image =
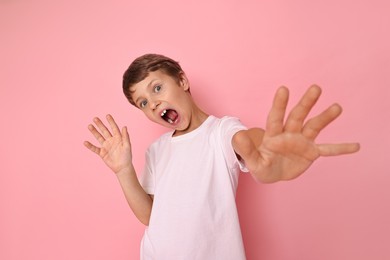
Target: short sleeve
{"type": "Point", "coordinates": [228, 128]}
{"type": "Point", "coordinates": [147, 179]}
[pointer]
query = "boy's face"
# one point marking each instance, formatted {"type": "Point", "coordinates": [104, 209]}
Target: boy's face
{"type": "Point", "coordinates": [165, 101]}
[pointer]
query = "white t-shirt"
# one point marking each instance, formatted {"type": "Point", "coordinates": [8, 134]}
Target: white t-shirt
{"type": "Point", "coordinates": [194, 178]}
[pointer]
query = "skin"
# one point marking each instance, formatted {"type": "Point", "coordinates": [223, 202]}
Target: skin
{"type": "Point", "coordinates": [282, 151]}
{"type": "Point", "coordinates": [115, 151]}
{"type": "Point", "coordinates": [158, 92]}
{"type": "Point", "coordinates": [285, 150]}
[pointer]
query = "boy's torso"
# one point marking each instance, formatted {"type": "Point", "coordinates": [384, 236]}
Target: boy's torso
{"type": "Point", "coordinates": [194, 179]}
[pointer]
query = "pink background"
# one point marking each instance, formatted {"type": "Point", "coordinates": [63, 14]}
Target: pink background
{"type": "Point", "coordinates": [61, 63]}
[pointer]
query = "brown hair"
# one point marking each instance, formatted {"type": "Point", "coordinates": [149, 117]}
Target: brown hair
{"type": "Point", "coordinates": [139, 69]}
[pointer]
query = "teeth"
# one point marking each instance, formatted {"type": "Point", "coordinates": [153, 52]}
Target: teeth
{"type": "Point", "coordinates": [163, 114]}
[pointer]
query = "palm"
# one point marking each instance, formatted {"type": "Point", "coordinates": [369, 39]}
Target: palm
{"type": "Point", "coordinates": [115, 147]}
{"type": "Point", "coordinates": [115, 153]}
{"type": "Point", "coordinates": [291, 154]}
{"type": "Point", "coordinates": [288, 148]}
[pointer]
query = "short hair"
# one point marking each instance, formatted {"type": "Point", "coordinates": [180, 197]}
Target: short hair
{"type": "Point", "coordinates": [139, 69]}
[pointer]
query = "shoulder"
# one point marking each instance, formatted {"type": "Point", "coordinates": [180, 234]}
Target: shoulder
{"type": "Point", "coordinates": [160, 142]}
{"type": "Point", "coordinates": [225, 128]}
{"type": "Point", "coordinates": [229, 124]}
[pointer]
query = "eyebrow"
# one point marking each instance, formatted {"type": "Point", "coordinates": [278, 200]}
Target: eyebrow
{"type": "Point", "coordinates": [147, 87]}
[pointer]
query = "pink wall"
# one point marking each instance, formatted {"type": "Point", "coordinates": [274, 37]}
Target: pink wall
{"type": "Point", "coordinates": [61, 64]}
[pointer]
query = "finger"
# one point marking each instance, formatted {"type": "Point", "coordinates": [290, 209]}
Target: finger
{"type": "Point", "coordinates": [338, 149]}
{"type": "Point", "coordinates": [113, 125]}
{"type": "Point", "coordinates": [299, 113]}
{"type": "Point", "coordinates": [92, 147]}
{"type": "Point", "coordinates": [96, 134]}
{"type": "Point", "coordinates": [125, 135]}
{"type": "Point", "coordinates": [103, 129]}
{"type": "Point", "coordinates": [275, 118]}
{"type": "Point", "coordinates": [314, 126]}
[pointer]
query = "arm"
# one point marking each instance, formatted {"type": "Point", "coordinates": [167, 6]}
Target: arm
{"type": "Point", "coordinates": [285, 150]}
{"type": "Point", "coordinates": [115, 151]}
{"type": "Point", "coordinates": [139, 201]}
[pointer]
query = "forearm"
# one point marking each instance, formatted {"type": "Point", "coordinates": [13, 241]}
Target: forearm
{"type": "Point", "coordinates": [139, 201]}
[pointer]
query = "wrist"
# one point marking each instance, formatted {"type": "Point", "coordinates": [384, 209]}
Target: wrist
{"type": "Point", "coordinates": [125, 171]}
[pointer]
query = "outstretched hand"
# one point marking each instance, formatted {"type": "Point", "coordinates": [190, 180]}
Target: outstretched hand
{"type": "Point", "coordinates": [288, 146]}
{"type": "Point", "coordinates": [115, 146]}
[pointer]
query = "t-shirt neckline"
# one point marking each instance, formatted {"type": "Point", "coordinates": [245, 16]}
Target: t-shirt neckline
{"type": "Point", "coordinates": [193, 132]}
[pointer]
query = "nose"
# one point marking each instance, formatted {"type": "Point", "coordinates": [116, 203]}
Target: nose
{"type": "Point", "coordinates": [154, 104]}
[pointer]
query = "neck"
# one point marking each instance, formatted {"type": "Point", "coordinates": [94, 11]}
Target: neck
{"type": "Point", "coordinates": [198, 116]}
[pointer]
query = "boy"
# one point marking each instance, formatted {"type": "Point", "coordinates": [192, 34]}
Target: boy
{"type": "Point", "coordinates": [186, 196]}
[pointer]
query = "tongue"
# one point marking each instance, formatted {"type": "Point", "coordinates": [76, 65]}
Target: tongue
{"type": "Point", "coordinates": [171, 115]}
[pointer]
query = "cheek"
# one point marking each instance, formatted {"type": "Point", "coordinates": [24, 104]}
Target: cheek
{"type": "Point", "coordinates": [151, 117]}
{"type": "Point", "coordinates": [148, 115]}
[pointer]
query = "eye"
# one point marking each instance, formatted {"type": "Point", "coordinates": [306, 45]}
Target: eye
{"type": "Point", "coordinates": [157, 88]}
{"type": "Point", "coordinates": [143, 103]}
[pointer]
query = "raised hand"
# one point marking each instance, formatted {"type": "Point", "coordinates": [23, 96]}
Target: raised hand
{"type": "Point", "coordinates": [115, 146]}
{"type": "Point", "coordinates": [287, 147]}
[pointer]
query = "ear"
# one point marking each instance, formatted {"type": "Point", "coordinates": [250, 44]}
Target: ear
{"type": "Point", "coordinates": [184, 83]}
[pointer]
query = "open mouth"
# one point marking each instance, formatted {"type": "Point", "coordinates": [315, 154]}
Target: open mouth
{"type": "Point", "coordinates": [169, 115]}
